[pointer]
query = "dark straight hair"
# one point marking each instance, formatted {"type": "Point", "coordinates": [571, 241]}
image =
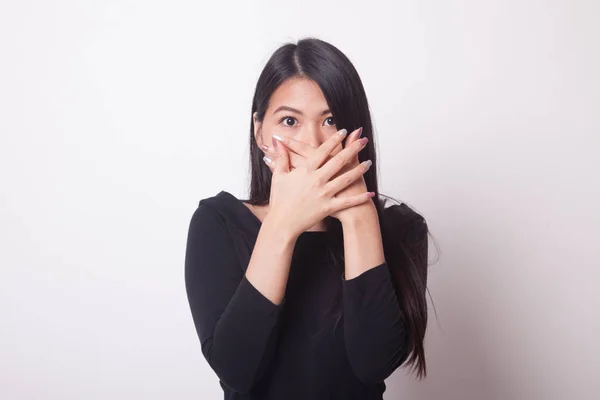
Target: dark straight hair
{"type": "Point", "coordinates": [404, 231]}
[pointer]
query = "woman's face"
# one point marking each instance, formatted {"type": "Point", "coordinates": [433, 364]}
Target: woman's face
{"type": "Point", "coordinates": [299, 110]}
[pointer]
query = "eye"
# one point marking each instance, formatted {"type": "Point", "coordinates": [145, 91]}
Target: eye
{"type": "Point", "coordinates": [332, 121]}
{"type": "Point", "coordinates": [286, 119]}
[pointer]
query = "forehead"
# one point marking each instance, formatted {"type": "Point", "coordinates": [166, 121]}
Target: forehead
{"type": "Point", "coordinates": [300, 93]}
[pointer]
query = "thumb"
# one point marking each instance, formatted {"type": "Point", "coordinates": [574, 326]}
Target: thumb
{"type": "Point", "coordinates": [283, 157]}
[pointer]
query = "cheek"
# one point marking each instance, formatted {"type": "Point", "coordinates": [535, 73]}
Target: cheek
{"type": "Point", "coordinates": [267, 130]}
{"type": "Point", "coordinates": [266, 138]}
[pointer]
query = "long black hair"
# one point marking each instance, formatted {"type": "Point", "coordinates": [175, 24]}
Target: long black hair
{"type": "Point", "coordinates": [404, 232]}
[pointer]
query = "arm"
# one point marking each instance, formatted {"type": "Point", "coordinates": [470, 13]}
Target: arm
{"type": "Point", "coordinates": [363, 245]}
{"type": "Point", "coordinates": [374, 329]}
{"type": "Point", "coordinates": [235, 321]}
{"type": "Point", "coordinates": [269, 265]}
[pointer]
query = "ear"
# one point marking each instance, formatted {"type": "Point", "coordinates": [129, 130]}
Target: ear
{"type": "Point", "coordinates": [257, 131]}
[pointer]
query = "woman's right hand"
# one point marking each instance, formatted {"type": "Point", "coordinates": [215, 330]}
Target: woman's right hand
{"type": "Point", "coordinates": [303, 196]}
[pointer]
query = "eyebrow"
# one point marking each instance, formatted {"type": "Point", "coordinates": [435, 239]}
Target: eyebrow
{"type": "Point", "coordinates": [294, 110]}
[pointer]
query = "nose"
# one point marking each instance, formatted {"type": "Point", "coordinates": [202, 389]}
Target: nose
{"type": "Point", "coordinates": [312, 136]}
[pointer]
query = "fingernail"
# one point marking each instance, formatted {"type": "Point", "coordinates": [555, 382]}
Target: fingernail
{"type": "Point", "coordinates": [265, 147]}
{"type": "Point", "coordinates": [363, 141]}
{"type": "Point", "coordinates": [278, 138]}
{"type": "Point", "coordinates": [274, 142]}
{"type": "Point", "coordinates": [359, 132]}
{"type": "Point", "coordinates": [342, 132]}
{"type": "Point", "coordinates": [368, 163]}
{"type": "Point", "coordinates": [267, 160]}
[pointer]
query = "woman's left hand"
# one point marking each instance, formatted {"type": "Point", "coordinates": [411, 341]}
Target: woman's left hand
{"type": "Point", "coordinates": [303, 150]}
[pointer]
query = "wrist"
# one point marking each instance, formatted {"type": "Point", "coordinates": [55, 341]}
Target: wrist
{"type": "Point", "coordinates": [279, 229]}
{"type": "Point", "coordinates": [356, 215]}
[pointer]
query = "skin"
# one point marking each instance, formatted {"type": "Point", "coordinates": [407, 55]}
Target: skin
{"type": "Point", "coordinates": [314, 176]}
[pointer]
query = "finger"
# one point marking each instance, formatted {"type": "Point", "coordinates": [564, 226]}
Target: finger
{"type": "Point", "coordinates": [268, 156]}
{"type": "Point", "coordinates": [354, 136]}
{"type": "Point", "coordinates": [295, 146]}
{"type": "Point", "coordinates": [283, 159]}
{"type": "Point", "coordinates": [337, 162]}
{"type": "Point", "coordinates": [347, 178]}
{"type": "Point", "coordinates": [269, 161]}
{"type": "Point", "coordinates": [341, 203]}
{"type": "Point", "coordinates": [317, 159]}
{"type": "Point", "coordinates": [295, 159]}
{"type": "Point", "coordinates": [325, 150]}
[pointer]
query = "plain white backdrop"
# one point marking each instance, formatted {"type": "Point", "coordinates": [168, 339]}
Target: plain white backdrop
{"type": "Point", "coordinates": [117, 117]}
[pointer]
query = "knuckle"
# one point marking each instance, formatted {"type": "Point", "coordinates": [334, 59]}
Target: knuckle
{"type": "Point", "coordinates": [323, 193]}
{"type": "Point", "coordinates": [319, 181]}
{"type": "Point", "coordinates": [312, 159]}
{"type": "Point", "coordinates": [330, 207]}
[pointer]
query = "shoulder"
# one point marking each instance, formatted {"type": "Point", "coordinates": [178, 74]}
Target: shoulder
{"type": "Point", "coordinates": [229, 213]}
{"type": "Point", "coordinates": [403, 219]}
{"type": "Point", "coordinates": [209, 229]}
{"type": "Point", "coordinates": [215, 202]}
{"type": "Point", "coordinates": [402, 213]}
{"type": "Point", "coordinates": [210, 212]}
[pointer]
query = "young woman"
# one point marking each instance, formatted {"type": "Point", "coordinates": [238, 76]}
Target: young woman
{"type": "Point", "coordinates": [311, 288]}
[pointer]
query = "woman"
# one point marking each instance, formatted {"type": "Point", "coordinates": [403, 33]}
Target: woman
{"type": "Point", "coordinates": [310, 289]}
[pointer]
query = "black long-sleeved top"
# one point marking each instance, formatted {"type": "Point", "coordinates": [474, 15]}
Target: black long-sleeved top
{"type": "Point", "coordinates": [293, 350]}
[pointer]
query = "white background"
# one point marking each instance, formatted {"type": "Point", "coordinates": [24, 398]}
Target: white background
{"type": "Point", "coordinates": [117, 117]}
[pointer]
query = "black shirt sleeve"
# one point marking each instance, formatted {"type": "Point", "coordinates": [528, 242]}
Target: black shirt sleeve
{"type": "Point", "coordinates": [374, 330]}
{"type": "Point", "coordinates": [234, 321]}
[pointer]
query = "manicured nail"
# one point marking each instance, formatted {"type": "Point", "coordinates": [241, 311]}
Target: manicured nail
{"type": "Point", "coordinates": [265, 147]}
{"type": "Point", "coordinates": [277, 137]}
{"type": "Point", "coordinates": [368, 163]}
{"type": "Point", "coordinates": [274, 143]}
{"type": "Point", "coordinates": [370, 194]}
{"type": "Point", "coordinates": [342, 132]}
{"type": "Point", "coordinates": [363, 141]}
{"type": "Point", "coordinates": [267, 160]}
{"type": "Point", "coordinates": [359, 132]}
